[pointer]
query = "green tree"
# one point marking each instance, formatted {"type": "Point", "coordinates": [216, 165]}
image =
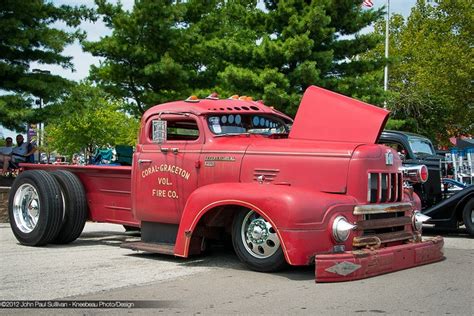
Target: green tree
{"type": "Point", "coordinates": [431, 69]}
{"type": "Point", "coordinates": [144, 57]}
{"type": "Point", "coordinates": [310, 42]}
{"type": "Point", "coordinates": [165, 50]}
{"type": "Point", "coordinates": [89, 118]}
{"type": "Point", "coordinates": [26, 36]}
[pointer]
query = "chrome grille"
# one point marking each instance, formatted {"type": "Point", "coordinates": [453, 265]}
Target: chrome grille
{"type": "Point", "coordinates": [382, 224]}
{"type": "Point", "coordinates": [265, 175]}
{"type": "Point", "coordinates": [384, 187]}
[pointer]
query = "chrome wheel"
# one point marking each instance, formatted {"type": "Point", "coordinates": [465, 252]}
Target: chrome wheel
{"type": "Point", "coordinates": [26, 208]}
{"type": "Point", "coordinates": [258, 236]}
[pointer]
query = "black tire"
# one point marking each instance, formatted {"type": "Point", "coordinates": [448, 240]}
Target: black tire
{"type": "Point", "coordinates": [47, 202]}
{"type": "Point", "coordinates": [275, 261]}
{"type": "Point", "coordinates": [467, 216]}
{"type": "Point", "coordinates": [75, 207]}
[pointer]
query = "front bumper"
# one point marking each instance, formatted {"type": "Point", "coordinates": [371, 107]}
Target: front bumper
{"type": "Point", "coordinates": [366, 263]}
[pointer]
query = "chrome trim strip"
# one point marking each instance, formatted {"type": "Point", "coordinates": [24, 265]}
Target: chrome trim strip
{"type": "Point", "coordinates": [266, 170]}
{"type": "Point", "coordinates": [379, 188]}
{"type": "Point", "coordinates": [267, 153]}
{"type": "Point", "coordinates": [197, 151]}
{"type": "Point", "coordinates": [400, 187]}
{"type": "Point", "coordinates": [114, 191]}
{"type": "Point", "coordinates": [396, 187]}
{"type": "Point", "coordinates": [389, 187]}
{"type": "Point", "coordinates": [119, 208]}
{"type": "Point", "coordinates": [368, 188]}
{"type": "Point", "coordinates": [382, 208]}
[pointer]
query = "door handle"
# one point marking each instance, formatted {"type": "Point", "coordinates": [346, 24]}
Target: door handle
{"type": "Point", "coordinates": [140, 161]}
{"type": "Point", "coordinates": [164, 150]}
{"type": "Point", "coordinates": [175, 150]}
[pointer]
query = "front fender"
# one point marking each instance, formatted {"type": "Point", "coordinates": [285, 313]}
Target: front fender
{"type": "Point", "coordinates": [285, 207]}
{"type": "Point", "coordinates": [447, 210]}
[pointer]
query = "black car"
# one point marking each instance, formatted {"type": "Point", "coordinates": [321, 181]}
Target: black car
{"type": "Point", "coordinates": [444, 208]}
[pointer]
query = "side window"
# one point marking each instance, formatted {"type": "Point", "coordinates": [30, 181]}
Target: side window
{"type": "Point", "coordinates": [183, 129]}
{"type": "Point", "coordinates": [398, 148]}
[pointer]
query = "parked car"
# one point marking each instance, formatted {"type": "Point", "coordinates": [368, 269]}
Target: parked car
{"type": "Point", "coordinates": [446, 209]}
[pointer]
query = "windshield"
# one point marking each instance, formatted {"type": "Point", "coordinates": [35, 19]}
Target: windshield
{"type": "Point", "coordinates": [421, 146]}
{"type": "Point", "coordinates": [263, 124]}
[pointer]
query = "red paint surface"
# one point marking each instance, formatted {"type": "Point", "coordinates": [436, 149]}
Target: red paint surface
{"type": "Point", "coordinates": [319, 172]}
{"type": "Point", "coordinates": [328, 116]}
{"type": "Point", "coordinates": [380, 261]}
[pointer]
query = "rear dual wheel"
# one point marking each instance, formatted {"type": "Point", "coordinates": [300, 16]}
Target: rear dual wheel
{"type": "Point", "coordinates": [47, 207]}
{"type": "Point", "coordinates": [75, 207]}
{"type": "Point", "coordinates": [35, 208]}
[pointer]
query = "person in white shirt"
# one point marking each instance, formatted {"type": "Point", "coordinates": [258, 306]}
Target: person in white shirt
{"type": "Point", "coordinates": [5, 154]}
{"type": "Point", "coordinates": [20, 153]}
{"type": "Point", "coordinates": [7, 149]}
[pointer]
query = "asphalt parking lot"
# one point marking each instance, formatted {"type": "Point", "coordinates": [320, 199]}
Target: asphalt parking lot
{"type": "Point", "coordinates": [96, 268]}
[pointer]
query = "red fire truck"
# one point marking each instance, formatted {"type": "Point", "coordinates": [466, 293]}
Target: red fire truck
{"type": "Point", "coordinates": [316, 190]}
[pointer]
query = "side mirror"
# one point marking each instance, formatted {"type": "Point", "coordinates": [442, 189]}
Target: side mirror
{"type": "Point", "coordinates": [159, 132]}
{"type": "Point", "coordinates": [402, 156]}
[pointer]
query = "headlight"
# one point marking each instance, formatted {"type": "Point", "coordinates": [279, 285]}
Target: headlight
{"type": "Point", "coordinates": [341, 228]}
{"type": "Point", "coordinates": [418, 219]}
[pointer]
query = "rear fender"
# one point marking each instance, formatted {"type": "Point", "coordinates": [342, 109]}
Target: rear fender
{"type": "Point", "coordinates": [285, 207]}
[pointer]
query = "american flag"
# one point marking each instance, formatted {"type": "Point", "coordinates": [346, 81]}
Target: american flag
{"type": "Point", "coordinates": [368, 3]}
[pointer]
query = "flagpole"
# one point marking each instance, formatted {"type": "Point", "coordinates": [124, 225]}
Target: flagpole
{"type": "Point", "coordinates": [385, 76]}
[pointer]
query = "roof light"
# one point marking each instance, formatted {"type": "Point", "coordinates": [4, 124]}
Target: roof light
{"type": "Point", "coordinates": [248, 99]}
{"type": "Point", "coordinates": [244, 97]}
{"type": "Point", "coordinates": [193, 99]}
{"type": "Point", "coordinates": [213, 96]}
{"type": "Point", "coordinates": [234, 97]}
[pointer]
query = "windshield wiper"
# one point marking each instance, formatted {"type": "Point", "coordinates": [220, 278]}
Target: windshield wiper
{"type": "Point", "coordinates": [232, 134]}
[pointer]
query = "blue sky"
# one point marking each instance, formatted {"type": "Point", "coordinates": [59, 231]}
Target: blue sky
{"type": "Point", "coordinates": [95, 31]}
{"type": "Point", "coordinates": [82, 60]}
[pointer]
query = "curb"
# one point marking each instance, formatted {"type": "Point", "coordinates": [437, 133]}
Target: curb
{"type": "Point", "coordinates": [4, 204]}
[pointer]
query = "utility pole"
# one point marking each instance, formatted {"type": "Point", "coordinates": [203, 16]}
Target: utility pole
{"type": "Point", "coordinates": [385, 75]}
{"type": "Point", "coordinates": [40, 127]}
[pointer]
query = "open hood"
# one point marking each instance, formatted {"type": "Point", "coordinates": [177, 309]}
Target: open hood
{"type": "Point", "coordinates": [328, 116]}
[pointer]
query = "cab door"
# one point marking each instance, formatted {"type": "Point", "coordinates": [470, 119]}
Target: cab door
{"type": "Point", "coordinates": [167, 164]}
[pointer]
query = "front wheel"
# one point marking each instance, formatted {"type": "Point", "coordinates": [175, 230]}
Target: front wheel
{"type": "Point", "coordinates": [468, 216]}
{"type": "Point", "coordinates": [256, 242]}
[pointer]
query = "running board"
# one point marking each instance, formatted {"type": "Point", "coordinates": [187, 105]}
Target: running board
{"type": "Point", "coordinates": [153, 247]}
